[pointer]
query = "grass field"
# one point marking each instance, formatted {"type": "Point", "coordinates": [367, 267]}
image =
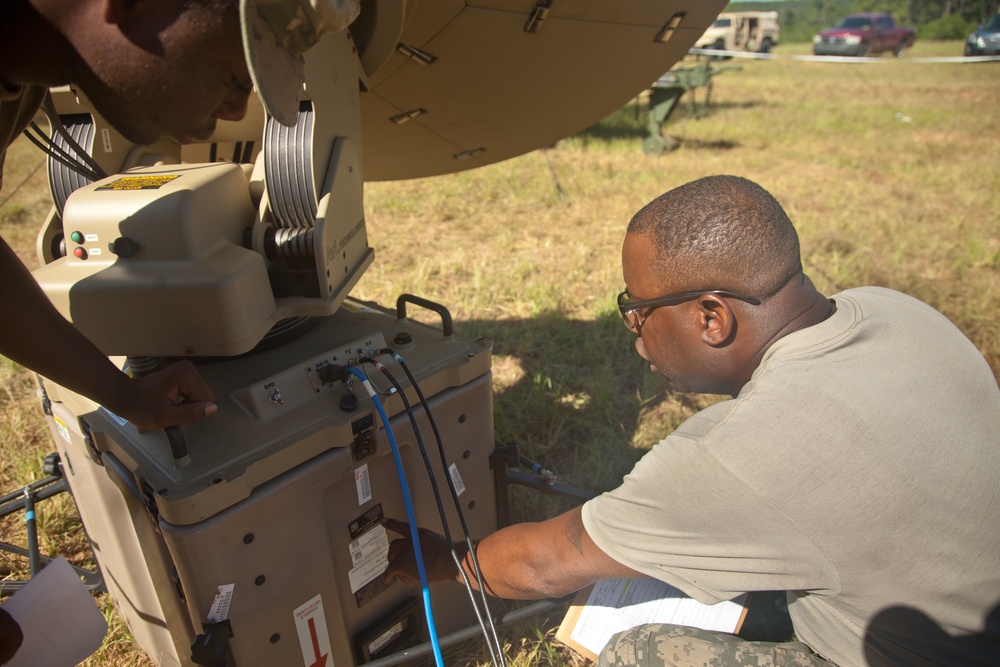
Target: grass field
{"type": "Point", "coordinates": [890, 171]}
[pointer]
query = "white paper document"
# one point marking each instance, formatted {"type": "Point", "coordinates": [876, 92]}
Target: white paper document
{"type": "Point", "coordinates": [59, 619]}
{"type": "Point", "coordinates": [615, 605]}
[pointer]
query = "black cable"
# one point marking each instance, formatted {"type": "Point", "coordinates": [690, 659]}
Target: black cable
{"type": "Point", "coordinates": [474, 559]}
{"type": "Point", "coordinates": [53, 152]}
{"type": "Point", "coordinates": [437, 498]}
{"type": "Point", "coordinates": [49, 107]}
{"type": "Point", "coordinates": [53, 147]}
{"type": "Point", "coordinates": [411, 515]}
{"type": "Point", "coordinates": [71, 160]}
{"type": "Point", "coordinates": [79, 160]}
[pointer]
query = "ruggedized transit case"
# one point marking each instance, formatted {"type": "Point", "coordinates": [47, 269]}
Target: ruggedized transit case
{"type": "Point", "coordinates": [266, 539]}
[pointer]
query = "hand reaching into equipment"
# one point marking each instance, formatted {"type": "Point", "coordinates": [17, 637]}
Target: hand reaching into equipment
{"type": "Point", "coordinates": [173, 395]}
{"type": "Point", "coordinates": [438, 561]}
{"type": "Point", "coordinates": [41, 339]}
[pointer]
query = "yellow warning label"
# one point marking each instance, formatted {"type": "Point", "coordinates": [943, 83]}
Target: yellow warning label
{"type": "Point", "coordinates": [139, 182]}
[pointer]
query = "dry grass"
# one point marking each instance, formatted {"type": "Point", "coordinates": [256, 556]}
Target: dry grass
{"type": "Point", "coordinates": [527, 253]}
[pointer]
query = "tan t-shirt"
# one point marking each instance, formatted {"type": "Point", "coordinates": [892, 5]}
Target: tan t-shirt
{"type": "Point", "coordinates": [859, 469]}
{"type": "Point", "coordinates": [17, 109]}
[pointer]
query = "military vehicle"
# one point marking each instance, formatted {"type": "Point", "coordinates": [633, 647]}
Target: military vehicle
{"type": "Point", "coordinates": [742, 31]}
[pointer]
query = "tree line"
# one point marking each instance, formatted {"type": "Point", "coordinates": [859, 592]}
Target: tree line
{"type": "Point", "coordinates": [933, 19]}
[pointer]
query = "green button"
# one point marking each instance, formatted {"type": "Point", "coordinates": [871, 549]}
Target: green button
{"type": "Point", "coordinates": [77, 237]}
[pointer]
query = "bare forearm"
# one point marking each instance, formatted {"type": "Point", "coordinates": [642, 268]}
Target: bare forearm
{"type": "Point", "coordinates": [542, 560]}
{"type": "Point", "coordinates": [513, 570]}
{"type": "Point", "coordinates": [38, 337]}
{"type": "Point", "coordinates": [526, 561]}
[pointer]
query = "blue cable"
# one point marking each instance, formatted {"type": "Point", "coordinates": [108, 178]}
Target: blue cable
{"type": "Point", "coordinates": [410, 514]}
{"type": "Point", "coordinates": [496, 652]}
{"type": "Point", "coordinates": [437, 496]}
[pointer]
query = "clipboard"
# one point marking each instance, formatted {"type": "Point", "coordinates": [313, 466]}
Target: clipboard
{"type": "Point", "coordinates": [613, 605]}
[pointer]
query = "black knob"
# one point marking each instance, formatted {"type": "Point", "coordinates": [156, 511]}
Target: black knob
{"type": "Point", "coordinates": [348, 402]}
{"type": "Point", "coordinates": [123, 246]}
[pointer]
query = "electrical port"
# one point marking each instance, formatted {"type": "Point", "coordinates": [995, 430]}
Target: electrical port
{"type": "Point", "coordinates": [363, 445]}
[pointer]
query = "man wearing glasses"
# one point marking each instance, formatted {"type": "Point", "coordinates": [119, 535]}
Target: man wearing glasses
{"type": "Point", "coordinates": [855, 467]}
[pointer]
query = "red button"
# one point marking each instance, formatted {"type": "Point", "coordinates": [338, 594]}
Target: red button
{"type": "Point", "coordinates": [80, 252]}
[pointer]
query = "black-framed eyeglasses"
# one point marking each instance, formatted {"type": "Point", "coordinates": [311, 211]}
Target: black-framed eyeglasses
{"type": "Point", "coordinates": [633, 318]}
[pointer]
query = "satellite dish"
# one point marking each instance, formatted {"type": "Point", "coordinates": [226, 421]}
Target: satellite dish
{"type": "Point", "coordinates": [466, 84]}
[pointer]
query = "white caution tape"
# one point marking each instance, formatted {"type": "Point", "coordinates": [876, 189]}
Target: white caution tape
{"type": "Point", "coordinates": [841, 59]}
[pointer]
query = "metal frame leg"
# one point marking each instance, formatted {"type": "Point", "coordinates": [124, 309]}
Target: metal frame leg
{"type": "Point", "coordinates": [26, 499]}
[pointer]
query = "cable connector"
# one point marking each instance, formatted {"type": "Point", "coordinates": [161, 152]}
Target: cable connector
{"type": "Point", "coordinates": [333, 373]}
{"type": "Point", "coordinates": [544, 474]}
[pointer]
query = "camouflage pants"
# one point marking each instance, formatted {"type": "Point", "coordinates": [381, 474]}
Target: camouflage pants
{"type": "Point", "coordinates": [661, 645]}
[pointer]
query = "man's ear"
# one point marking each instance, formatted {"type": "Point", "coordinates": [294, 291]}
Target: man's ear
{"type": "Point", "coordinates": [716, 319]}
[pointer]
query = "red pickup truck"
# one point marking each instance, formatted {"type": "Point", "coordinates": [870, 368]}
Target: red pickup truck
{"type": "Point", "coordinates": [862, 35]}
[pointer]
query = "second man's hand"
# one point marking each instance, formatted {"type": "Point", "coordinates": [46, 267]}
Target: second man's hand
{"type": "Point", "coordinates": [438, 561]}
{"type": "Point", "coordinates": [174, 395]}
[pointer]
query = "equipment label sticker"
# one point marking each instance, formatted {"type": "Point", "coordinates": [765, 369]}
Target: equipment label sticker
{"type": "Point", "coordinates": [314, 639]}
{"type": "Point", "coordinates": [370, 557]}
{"type": "Point", "coordinates": [364, 484]}
{"type": "Point", "coordinates": [456, 479]}
{"type": "Point", "coordinates": [379, 642]}
{"type": "Point", "coordinates": [139, 182]}
{"type": "Point", "coordinates": [366, 521]}
{"type": "Point", "coordinates": [219, 611]}
{"type": "Point", "coordinates": [61, 427]}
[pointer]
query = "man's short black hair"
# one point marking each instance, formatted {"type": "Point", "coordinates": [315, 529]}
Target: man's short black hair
{"type": "Point", "coordinates": [721, 232]}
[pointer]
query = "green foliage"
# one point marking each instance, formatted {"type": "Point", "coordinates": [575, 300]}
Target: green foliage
{"type": "Point", "coordinates": [946, 27]}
